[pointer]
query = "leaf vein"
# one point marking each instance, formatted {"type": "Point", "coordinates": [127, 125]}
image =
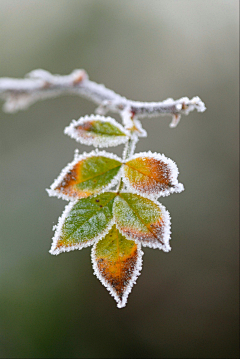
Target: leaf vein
{"type": "Point", "coordinates": [98, 175]}
{"type": "Point", "coordinates": [97, 211]}
{"type": "Point", "coordinates": [142, 221]}
{"type": "Point", "coordinates": [143, 173]}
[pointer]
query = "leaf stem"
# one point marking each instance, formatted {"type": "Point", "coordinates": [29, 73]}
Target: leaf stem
{"type": "Point", "coordinates": [130, 146]}
{"type": "Point", "coordinates": [127, 152]}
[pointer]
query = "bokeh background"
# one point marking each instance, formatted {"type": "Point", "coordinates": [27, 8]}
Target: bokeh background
{"type": "Point", "coordinates": [185, 303]}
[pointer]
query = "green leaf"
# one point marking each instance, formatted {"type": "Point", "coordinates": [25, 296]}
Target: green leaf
{"type": "Point", "coordinates": [87, 175]}
{"type": "Point", "coordinates": [98, 131]}
{"type": "Point", "coordinates": [144, 220]}
{"type": "Point", "coordinates": [117, 263]}
{"type": "Point", "coordinates": [151, 174]}
{"type": "Point", "coordinates": [83, 222]}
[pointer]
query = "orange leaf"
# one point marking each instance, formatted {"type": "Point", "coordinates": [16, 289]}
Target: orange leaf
{"type": "Point", "coordinates": [151, 174]}
{"type": "Point", "coordinates": [117, 263]}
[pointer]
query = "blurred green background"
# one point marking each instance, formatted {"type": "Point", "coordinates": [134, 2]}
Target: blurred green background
{"type": "Point", "coordinates": [185, 303]}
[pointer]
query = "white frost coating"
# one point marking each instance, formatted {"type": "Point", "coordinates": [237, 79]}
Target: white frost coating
{"type": "Point", "coordinates": [194, 103]}
{"type": "Point", "coordinates": [11, 84]}
{"type": "Point", "coordinates": [130, 147]}
{"type": "Point", "coordinates": [126, 117]}
{"type": "Point", "coordinates": [155, 192]}
{"type": "Point", "coordinates": [175, 120]}
{"type": "Point", "coordinates": [37, 85]}
{"type": "Point", "coordinates": [58, 231]}
{"type": "Point", "coordinates": [58, 80]}
{"type": "Point", "coordinates": [120, 303]}
{"type": "Point", "coordinates": [40, 84]}
{"type": "Point", "coordinates": [18, 102]}
{"type": "Point", "coordinates": [129, 122]}
{"type": "Point", "coordinates": [165, 235]}
{"type": "Point", "coordinates": [52, 192]}
{"type": "Point", "coordinates": [140, 131]}
{"type": "Point", "coordinates": [42, 74]}
{"type": "Point", "coordinates": [185, 105]}
{"type": "Point", "coordinates": [169, 106]}
{"type": "Point", "coordinates": [103, 108]}
{"type": "Point", "coordinates": [97, 140]}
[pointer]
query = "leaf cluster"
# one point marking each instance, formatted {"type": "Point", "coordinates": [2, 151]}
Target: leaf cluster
{"type": "Point", "coordinates": [113, 201]}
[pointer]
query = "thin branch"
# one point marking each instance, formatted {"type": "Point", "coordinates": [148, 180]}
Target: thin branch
{"type": "Point", "coordinates": [19, 94]}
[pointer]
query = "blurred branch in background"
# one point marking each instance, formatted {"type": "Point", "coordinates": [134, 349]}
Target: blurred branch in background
{"type": "Point", "coordinates": [39, 84]}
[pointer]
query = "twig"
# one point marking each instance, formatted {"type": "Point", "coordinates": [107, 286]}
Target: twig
{"type": "Point", "coordinates": [19, 94]}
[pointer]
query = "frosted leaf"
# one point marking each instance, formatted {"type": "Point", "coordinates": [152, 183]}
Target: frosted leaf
{"type": "Point", "coordinates": [126, 116]}
{"type": "Point", "coordinates": [151, 174]}
{"type": "Point", "coordinates": [86, 175]}
{"type": "Point", "coordinates": [143, 220]}
{"type": "Point", "coordinates": [98, 131]}
{"type": "Point", "coordinates": [83, 222]}
{"type": "Point", "coordinates": [117, 263]}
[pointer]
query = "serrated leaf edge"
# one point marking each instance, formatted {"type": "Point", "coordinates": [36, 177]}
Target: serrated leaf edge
{"type": "Point", "coordinates": [178, 187]}
{"type": "Point", "coordinates": [167, 227]}
{"type": "Point", "coordinates": [96, 142]}
{"type": "Point", "coordinates": [58, 232]}
{"type": "Point", "coordinates": [137, 271]}
{"type": "Point", "coordinates": [53, 193]}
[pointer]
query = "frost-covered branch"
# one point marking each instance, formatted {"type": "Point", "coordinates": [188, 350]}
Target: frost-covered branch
{"type": "Point", "coordinates": [113, 201]}
{"type": "Point", "coordinates": [19, 94]}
